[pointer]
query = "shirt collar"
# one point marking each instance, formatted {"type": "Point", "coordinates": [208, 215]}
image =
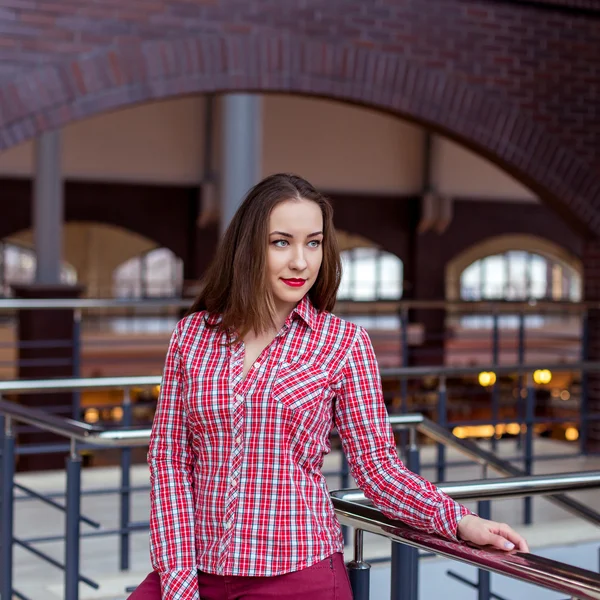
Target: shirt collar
{"type": "Point", "coordinates": [213, 318]}
{"type": "Point", "coordinates": [306, 311]}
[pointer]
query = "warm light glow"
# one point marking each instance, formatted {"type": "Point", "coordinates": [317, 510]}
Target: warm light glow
{"type": "Point", "coordinates": [542, 376]}
{"type": "Point", "coordinates": [474, 431]}
{"type": "Point", "coordinates": [513, 428]}
{"type": "Point", "coordinates": [555, 393]}
{"type": "Point", "coordinates": [565, 395]}
{"type": "Point", "coordinates": [572, 434]}
{"type": "Point", "coordinates": [116, 413]}
{"type": "Point", "coordinates": [459, 432]}
{"type": "Point", "coordinates": [91, 415]}
{"type": "Point", "coordinates": [487, 378]}
{"type": "Point", "coordinates": [157, 389]}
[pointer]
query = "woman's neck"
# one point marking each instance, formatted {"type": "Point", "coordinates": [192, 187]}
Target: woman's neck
{"type": "Point", "coordinates": [282, 312]}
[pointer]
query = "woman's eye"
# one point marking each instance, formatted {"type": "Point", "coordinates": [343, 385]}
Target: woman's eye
{"type": "Point", "coordinates": [280, 243]}
{"type": "Point", "coordinates": [314, 244]}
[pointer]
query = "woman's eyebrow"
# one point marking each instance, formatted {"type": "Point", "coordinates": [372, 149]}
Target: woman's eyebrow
{"type": "Point", "coordinates": [289, 235]}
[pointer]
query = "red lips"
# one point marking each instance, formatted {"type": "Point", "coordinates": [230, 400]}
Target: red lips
{"type": "Point", "coordinates": [294, 282]}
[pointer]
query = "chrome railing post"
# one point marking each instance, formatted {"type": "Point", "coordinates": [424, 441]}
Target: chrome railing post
{"type": "Point", "coordinates": [495, 388]}
{"type": "Point", "coordinates": [76, 358]}
{"type": "Point", "coordinates": [405, 559]}
{"type": "Point", "coordinates": [520, 362]}
{"type": "Point", "coordinates": [125, 494]}
{"type": "Point", "coordinates": [583, 407]}
{"type": "Point", "coordinates": [7, 522]}
{"type": "Point", "coordinates": [404, 381]}
{"type": "Point", "coordinates": [484, 510]}
{"type": "Point", "coordinates": [442, 421]}
{"type": "Point", "coordinates": [344, 482]}
{"type": "Point", "coordinates": [73, 468]}
{"type": "Point", "coordinates": [359, 572]}
{"type": "Point", "coordinates": [529, 424]}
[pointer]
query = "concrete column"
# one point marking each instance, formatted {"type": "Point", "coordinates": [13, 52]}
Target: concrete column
{"type": "Point", "coordinates": [424, 279]}
{"type": "Point", "coordinates": [48, 208]}
{"type": "Point", "coordinates": [241, 126]}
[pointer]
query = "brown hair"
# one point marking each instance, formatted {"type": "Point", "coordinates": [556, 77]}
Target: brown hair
{"type": "Point", "coordinates": [235, 286]}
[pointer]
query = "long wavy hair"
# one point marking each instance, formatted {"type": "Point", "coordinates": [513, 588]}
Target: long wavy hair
{"type": "Point", "coordinates": [235, 286]}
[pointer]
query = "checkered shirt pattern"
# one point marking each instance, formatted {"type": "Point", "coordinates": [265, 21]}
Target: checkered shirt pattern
{"type": "Point", "coordinates": [236, 461]}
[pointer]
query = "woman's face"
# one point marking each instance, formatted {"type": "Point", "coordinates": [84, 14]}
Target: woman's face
{"type": "Point", "coordinates": [295, 251]}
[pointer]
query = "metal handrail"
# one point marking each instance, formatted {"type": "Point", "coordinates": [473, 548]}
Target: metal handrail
{"type": "Point", "coordinates": [76, 430]}
{"type": "Point", "coordinates": [127, 437]}
{"type": "Point", "coordinates": [505, 487]}
{"type": "Point", "coordinates": [434, 371]}
{"type": "Point", "coordinates": [20, 386]}
{"type": "Point", "coordinates": [81, 303]}
{"type": "Point", "coordinates": [550, 574]}
{"type": "Point", "coordinates": [98, 383]}
{"type": "Point", "coordinates": [481, 306]}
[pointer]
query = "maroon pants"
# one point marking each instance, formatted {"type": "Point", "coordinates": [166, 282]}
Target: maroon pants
{"type": "Point", "coordinates": [325, 580]}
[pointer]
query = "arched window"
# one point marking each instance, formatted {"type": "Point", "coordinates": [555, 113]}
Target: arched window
{"type": "Point", "coordinates": [154, 274]}
{"type": "Point", "coordinates": [18, 265]}
{"type": "Point", "coordinates": [370, 274]}
{"type": "Point", "coordinates": [520, 275]}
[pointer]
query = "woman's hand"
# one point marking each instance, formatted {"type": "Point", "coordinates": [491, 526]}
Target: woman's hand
{"type": "Point", "coordinates": [488, 533]}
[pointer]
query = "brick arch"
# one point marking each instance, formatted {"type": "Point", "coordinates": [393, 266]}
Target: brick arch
{"type": "Point", "coordinates": [503, 243]}
{"type": "Point", "coordinates": [113, 78]}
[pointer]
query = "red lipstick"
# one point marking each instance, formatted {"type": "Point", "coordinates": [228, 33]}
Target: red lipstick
{"type": "Point", "coordinates": [294, 282]}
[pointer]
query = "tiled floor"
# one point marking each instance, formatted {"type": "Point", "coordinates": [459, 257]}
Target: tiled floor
{"type": "Point", "coordinates": [565, 537]}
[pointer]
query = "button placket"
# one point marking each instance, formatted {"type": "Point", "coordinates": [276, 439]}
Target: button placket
{"type": "Point", "coordinates": [237, 452]}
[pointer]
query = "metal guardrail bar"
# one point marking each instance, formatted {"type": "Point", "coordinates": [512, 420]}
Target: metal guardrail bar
{"type": "Point", "coordinates": [59, 303]}
{"type": "Point", "coordinates": [550, 574]}
{"type": "Point", "coordinates": [479, 306]}
{"type": "Point", "coordinates": [417, 372]}
{"type": "Point", "coordinates": [20, 386]}
{"type": "Point", "coordinates": [505, 487]}
{"type": "Point", "coordinates": [76, 430]}
{"type": "Point", "coordinates": [89, 383]}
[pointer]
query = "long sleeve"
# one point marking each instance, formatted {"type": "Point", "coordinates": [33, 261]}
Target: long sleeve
{"type": "Point", "coordinates": [172, 546]}
{"type": "Point", "coordinates": [367, 438]}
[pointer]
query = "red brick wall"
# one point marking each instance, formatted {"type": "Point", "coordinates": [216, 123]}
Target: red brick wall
{"type": "Point", "coordinates": [517, 81]}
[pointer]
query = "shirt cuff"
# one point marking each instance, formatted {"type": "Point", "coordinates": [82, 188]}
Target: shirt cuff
{"type": "Point", "coordinates": [448, 517]}
{"type": "Point", "coordinates": [180, 585]}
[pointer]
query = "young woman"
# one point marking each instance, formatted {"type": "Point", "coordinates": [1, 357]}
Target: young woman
{"type": "Point", "coordinates": [255, 379]}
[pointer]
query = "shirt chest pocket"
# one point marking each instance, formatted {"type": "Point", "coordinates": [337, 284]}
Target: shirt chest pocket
{"type": "Point", "coordinates": [299, 386]}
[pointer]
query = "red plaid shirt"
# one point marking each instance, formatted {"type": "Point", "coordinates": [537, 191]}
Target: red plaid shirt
{"type": "Point", "coordinates": [236, 462]}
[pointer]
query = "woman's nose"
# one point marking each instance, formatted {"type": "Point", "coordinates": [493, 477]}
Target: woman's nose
{"type": "Point", "coordinates": [298, 261]}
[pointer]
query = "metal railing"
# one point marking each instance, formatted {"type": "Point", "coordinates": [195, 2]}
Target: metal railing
{"type": "Point", "coordinates": [83, 434]}
{"type": "Point", "coordinates": [410, 343]}
{"type": "Point", "coordinates": [352, 510]}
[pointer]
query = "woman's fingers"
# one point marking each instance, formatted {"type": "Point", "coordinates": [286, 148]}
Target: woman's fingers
{"type": "Point", "coordinates": [513, 537]}
{"type": "Point", "coordinates": [500, 542]}
{"type": "Point", "coordinates": [484, 533]}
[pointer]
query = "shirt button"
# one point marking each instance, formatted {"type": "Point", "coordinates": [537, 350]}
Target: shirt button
{"type": "Point", "coordinates": [234, 483]}
{"type": "Point", "coordinates": [227, 524]}
{"type": "Point", "coordinates": [238, 440]}
{"type": "Point", "coordinates": [256, 365]}
{"type": "Point", "coordinates": [240, 398]}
